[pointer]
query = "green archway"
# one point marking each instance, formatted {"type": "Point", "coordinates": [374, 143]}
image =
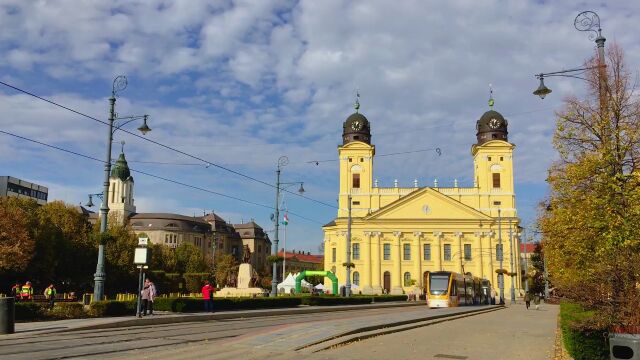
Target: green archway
{"type": "Point", "coordinates": [329, 274]}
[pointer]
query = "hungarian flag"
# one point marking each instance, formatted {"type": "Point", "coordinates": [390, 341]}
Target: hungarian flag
{"type": "Point", "coordinates": [285, 219]}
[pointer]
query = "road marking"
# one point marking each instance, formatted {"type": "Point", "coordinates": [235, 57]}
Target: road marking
{"type": "Point", "coordinates": [445, 356]}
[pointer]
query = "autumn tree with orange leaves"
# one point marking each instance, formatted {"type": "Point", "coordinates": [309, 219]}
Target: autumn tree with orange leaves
{"type": "Point", "coordinates": [591, 221]}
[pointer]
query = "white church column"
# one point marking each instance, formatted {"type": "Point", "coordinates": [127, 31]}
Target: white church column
{"type": "Point", "coordinates": [417, 258]}
{"type": "Point", "coordinates": [396, 276]}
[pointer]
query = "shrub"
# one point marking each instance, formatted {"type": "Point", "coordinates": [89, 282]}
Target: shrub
{"type": "Point", "coordinates": [387, 298]}
{"type": "Point", "coordinates": [582, 340]}
{"type": "Point", "coordinates": [196, 305]}
{"type": "Point", "coordinates": [112, 308]}
{"type": "Point", "coordinates": [65, 310]}
{"type": "Point", "coordinates": [30, 311]}
{"type": "Point", "coordinates": [335, 300]}
{"type": "Point", "coordinates": [194, 281]}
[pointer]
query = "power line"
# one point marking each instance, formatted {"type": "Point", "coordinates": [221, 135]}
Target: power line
{"type": "Point", "coordinates": [156, 176]}
{"type": "Point", "coordinates": [437, 150]}
{"type": "Point", "coordinates": [207, 163]}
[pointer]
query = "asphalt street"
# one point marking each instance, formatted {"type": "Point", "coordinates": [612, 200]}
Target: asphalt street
{"type": "Point", "coordinates": [243, 338]}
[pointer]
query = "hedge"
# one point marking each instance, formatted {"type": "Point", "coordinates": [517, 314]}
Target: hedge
{"type": "Point", "coordinates": [387, 298]}
{"type": "Point", "coordinates": [112, 308]}
{"type": "Point", "coordinates": [196, 305]}
{"type": "Point", "coordinates": [582, 341]}
{"type": "Point", "coordinates": [30, 310]}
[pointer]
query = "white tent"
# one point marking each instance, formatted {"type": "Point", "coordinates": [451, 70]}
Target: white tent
{"type": "Point", "coordinates": [320, 286]}
{"type": "Point", "coordinates": [289, 284]}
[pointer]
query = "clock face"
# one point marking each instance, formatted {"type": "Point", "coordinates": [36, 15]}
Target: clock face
{"type": "Point", "coordinates": [356, 125]}
{"type": "Point", "coordinates": [494, 123]}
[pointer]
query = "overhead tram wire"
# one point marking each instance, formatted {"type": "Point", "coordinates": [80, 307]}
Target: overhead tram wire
{"type": "Point", "coordinates": [156, 176]}
{"type": "Point", "coordinates": [437, 150]}
{"type": "Point", "coordinates": [207, 163]}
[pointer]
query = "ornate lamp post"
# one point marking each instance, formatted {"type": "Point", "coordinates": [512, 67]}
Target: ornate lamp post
{"type": "Point", "coordinates": [585, 21]}
{"type": "Point", "coordinates": [282, 162]}
{"type": "Point", "coordinates": [119, 84]}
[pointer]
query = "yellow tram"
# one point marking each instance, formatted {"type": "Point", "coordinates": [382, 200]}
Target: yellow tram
{"type": "Point", "coordinates": [449, 289]}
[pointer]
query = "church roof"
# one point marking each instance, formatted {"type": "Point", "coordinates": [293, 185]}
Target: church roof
{"type": "Point", "coordinates": [121, 169]}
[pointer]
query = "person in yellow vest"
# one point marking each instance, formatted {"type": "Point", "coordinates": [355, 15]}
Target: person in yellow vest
{"type": "Point", "coordinates": [50, 293]}
{"type": "Point", "coordinates": [26, 293]}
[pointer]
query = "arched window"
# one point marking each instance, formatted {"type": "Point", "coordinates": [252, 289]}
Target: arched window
{"type": "Point", "coordinates": [407, 279]}
{"type": "Point", "coordinates": [356, 278]}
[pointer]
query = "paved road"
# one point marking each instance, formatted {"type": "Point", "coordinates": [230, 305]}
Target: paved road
{"type": "Point", "coordinates": [514, 333]}
{"type": "Point", "coordinates": [255, 338]}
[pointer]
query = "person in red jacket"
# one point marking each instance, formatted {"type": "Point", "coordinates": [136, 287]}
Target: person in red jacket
{"type": "Point", "coordinates": [207, 296]}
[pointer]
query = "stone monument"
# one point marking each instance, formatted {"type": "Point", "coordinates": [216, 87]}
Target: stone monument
{"type": "Point", "coordinates": [246, 279]}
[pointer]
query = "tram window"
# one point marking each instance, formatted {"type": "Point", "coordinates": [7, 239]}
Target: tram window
{"type": "Point", "coordinates": [438, 284]}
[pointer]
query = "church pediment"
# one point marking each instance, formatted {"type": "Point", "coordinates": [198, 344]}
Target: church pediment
{"type": "Point", "coordinates": [427, 204]}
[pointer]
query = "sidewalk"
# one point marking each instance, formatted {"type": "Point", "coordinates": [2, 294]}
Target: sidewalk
{"type": "Point", "coordinates": [169, 318]}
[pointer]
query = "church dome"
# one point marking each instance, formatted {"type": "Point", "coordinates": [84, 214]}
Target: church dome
{"type": "Point", "coordinates": [356, 128]}
{"type": "Point", "coordinates": [121, 169]}
{"type": "Point", "coordinates": [491, 126]}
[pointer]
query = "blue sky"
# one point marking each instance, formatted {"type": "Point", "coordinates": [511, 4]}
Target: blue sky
{"type": "Point", "coordinates": [240, 83]}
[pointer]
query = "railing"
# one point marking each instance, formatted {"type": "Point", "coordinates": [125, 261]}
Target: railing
{"type": "Point", "coordinates": [392, 191]}
{"type": "Point", "coordinates": [457, 190]}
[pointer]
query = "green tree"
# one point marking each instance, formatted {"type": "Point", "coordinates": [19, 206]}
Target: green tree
{"type": "Point", "coordinates": [226, 266]}
{"type": "Point", "coordinates": [590, 222]}
{"type": "Point", "coordinates": [190, 259]}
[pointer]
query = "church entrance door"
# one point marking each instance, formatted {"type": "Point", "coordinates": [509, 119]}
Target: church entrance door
{"type": "Point", "coordinates": [387, 282]}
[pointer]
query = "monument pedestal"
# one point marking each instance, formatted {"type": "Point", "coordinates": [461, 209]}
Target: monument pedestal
{"type": "Point", "coordinates": [245, 273]}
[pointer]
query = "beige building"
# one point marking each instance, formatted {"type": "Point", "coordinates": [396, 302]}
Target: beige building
{"type": "Point", "coordinates": [210, 233]}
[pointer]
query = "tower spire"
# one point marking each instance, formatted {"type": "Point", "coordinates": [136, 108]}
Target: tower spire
{"type": "Point", "coordinates": [491, 101]}
{"type": "Point", "coordinates": [357, 103]}
{"type": "Point", "coordinates": [122, 146]}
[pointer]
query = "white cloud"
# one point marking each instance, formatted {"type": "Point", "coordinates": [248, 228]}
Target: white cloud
{"type": "Point", "coordinates": [243, 82]}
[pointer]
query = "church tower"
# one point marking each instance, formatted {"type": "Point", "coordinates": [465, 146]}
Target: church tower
{"type": "Point", "coordinates": [356, 165]}
{"type": "Point", "coordinates": [493, 165]}
{"type": "Point", "coordinates": [121, 190]}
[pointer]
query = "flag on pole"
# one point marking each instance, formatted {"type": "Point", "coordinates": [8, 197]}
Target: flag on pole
{"type": "Point", "coordinates": [285, 219]}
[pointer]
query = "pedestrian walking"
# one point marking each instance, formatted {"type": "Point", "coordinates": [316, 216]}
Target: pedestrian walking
{"type": "Point", "coordinates": [493, 296]}
{"type": "Point", "coordinates": [146, 297]}
{"type": "Point", "coordinates": [527, 300]}
{"type": "Point", "coordinates": [536, 301]}
{"type": "Point", "coordinates": [153, 292]}
{"type": "Point", "coordinates": [207, 296]}
{"type": "Point", "coordinates": [50, 293]}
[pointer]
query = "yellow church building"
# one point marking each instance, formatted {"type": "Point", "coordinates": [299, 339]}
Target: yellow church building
{"type": "Point", "coordinates": [399, 234]}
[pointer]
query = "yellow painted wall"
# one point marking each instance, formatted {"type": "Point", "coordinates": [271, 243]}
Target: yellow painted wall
{"type": "Point", "coordinates": [416, 216]}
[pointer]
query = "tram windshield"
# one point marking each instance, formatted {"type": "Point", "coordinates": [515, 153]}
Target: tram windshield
{"type": "Point", "coordinates": [438, 284]}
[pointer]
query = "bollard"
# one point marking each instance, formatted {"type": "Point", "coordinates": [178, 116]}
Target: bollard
{"type": "Point", "coordinates": [7, 315]}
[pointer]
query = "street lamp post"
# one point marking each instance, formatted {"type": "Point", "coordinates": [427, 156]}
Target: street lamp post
{"type": "Point", "coordinates": [513, 287]}
{"type": "Point", "coordinates": [585, 21]}
{"type": "Point", "coordinates": [526, 263]}
{"type": "Point", "coordinates": [501, 275]}
{"type": "Point", "coordinates": [119, 84]}
{"type": "Point", "coordinates": [282, 162]}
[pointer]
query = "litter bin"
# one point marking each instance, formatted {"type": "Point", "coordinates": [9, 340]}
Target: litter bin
{"type": "Point", "coordinates": [624, 346]}
{"type": "Point", "coordinates": [7, 315]}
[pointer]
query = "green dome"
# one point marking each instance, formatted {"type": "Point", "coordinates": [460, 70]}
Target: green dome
{"type": "Point", "coordinates": [121, 170]}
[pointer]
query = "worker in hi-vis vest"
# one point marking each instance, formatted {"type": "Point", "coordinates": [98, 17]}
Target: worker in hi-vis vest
{"type": "Point", "coordinates": [27, 291]}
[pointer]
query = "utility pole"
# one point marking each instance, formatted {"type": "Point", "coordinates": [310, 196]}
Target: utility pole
{"type": "Point", "coordinates": [348, 262]}
{"type": "Point", "coordinates": [546, 277]}
{"type": "Point", "coordinates": [501, 275]}
{"type": "Point", "coordinates": [283, 160]}
{"type": "Point", "coordinates": [526, 264]}
{"type": "Point", "coordinates": [513, 285]}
